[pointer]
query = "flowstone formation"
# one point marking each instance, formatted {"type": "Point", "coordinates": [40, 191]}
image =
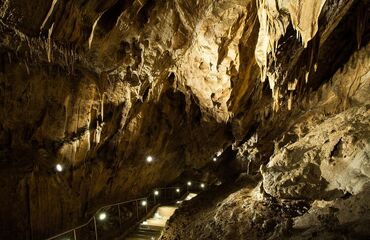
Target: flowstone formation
{"type": "Point", "coordinates": [277, 90]}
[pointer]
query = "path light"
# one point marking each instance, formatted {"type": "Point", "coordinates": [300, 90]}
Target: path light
{"type": "Point", "coordinates": [177, 190]}
{"type": "Point", "coordinates": [214, 159]}
{"type": "Point", "coordinates": [156, 192]}
{"type": "Point", "coordinates": [149, 159]}
{"type": "Point", "coordinates": [202, 185]}
{"type": "Point", "coordinates": [189, 183]}
{"type": "Point", "coordinates": [59, 167]}
{"type": "Point", "coordinates": [144, 203]}
{"type": "Point", "coordinates": [102, 216]}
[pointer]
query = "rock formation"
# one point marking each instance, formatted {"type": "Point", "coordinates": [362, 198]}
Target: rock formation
{"type": "Point", "coordinates": [278, 89]}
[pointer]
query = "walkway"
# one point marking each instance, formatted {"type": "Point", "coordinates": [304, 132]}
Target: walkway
{"type": "Point", "coordinates": [152, 227]}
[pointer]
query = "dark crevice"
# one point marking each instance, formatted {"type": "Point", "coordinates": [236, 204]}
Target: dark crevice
{"type": "Point", "coordinates": [110, 17]}
{"type": "Point", "coordinates": [344, 37]}
{"type": "Point", "coordinates": [144, 12]}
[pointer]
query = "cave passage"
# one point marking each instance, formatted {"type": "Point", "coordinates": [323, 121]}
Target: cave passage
{"type": "Point", "coordinates": [184, 119]}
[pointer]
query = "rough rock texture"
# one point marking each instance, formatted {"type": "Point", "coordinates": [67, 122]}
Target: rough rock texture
{"type": "Point", "coordinates": [316, 183]}
{"type": "Point", "coordinates": [99, 85]}
{"type": "Point", "coordinates": [225, 214]}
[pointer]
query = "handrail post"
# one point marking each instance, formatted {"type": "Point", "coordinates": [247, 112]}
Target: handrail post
{"type": "Point", "coordinates": [96, 229]}
{"type": "Point", "coordinates": [119, 215]}
{"type": "Point", "coordinates": [74, 234]}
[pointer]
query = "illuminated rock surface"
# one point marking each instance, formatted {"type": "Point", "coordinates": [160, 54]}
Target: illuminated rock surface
{"type": "Point", "coordinates": [280, 87]}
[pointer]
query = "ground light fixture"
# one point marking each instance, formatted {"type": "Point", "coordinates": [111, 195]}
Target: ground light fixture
{"type": "Point", "coordinates": [144, 203]}
{"type": "Point", "coordinates": [59, 167]}
{"type": "Point", "coordinates": [156, 192]}
{"type": "Point", "coordinates": [177, 190]}
{"type": "Point", "coordinates": [202, 185]}
{"type": "Point", "coordinates": [189, 183]}
{"type": "Point", "coordinates": [214, 159]}
{"type": "Point", "coordinates": [149, 159]}
{"type": "Point", "coordinates": [102, 216]}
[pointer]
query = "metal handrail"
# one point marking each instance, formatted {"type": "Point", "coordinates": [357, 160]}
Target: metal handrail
{"type": "Point", "coordinates": [73, 230]}
{"type": "Point", "coordinates": [93, 217]}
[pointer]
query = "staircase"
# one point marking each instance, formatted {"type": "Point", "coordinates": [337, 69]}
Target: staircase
{"type": "Point", "coordinates": [151, 228]}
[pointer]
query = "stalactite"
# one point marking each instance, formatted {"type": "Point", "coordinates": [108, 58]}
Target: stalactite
{"type": "Point", "coordinates": [49, 46]}
{"type": "Point", "coordinates": [275, 97]}
{"type": "Point", "coordinates": [66, 105]}
{"type": "Point", "coordinates": [10, 58]}
{"type": "Point", "coordinates": [306, 76]}
{"type": "Point", "coordinates": [303, 15]}
{"type": "Point", "coordinates": [27, 68]}
{"type": "Point", "coordinates": [78, 115]}
{"type": "Point", "coordinates": [88, 130]}
{"type": "Point", "coordinates": [91, 37]}
{"type": "Point", "coordinates": [88, 140]}
{"type": "Point", "coordinates": [75, 145]}
{"type": "Point", "coordinates": [48, 14]}
{"type": "Point", "coordinates": [292, 85]}
{"type": "Point", "coordinates": [290, 100]}
{"type": "Point", "coordinates": [102, 108]}
{"type": "Point", "coordinates": [97, 133]}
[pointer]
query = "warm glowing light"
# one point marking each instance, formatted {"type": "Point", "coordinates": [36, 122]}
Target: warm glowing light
{"type": "Point", "coordinates": [177, 190]}
{"type": "Point", "coordinates": [157, 215]}
{"type": "Point", "coordinates": [202, 185]}
{"type": "Point", "coordinates": [102, 216]}
{"type": "Point", "coordinates": [218, 153]}
{"type": "Point", "coordinates": [156, 192]}
{"type": "Point", "coordinates": [214, 159]}
{"type": "Point", "coordinates": [59, 167]}
{"type": "Point", "coordinates": [189, 183]}
{"type": "Point", "coordinates": [149, 159]}
{"type": "Point", "coordinates": [144, 203]}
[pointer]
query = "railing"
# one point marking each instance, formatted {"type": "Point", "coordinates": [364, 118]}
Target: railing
{"type": "Point", "coordinates": [102, 210]}
{"type": "Point", "coordinates": [133, 210]}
